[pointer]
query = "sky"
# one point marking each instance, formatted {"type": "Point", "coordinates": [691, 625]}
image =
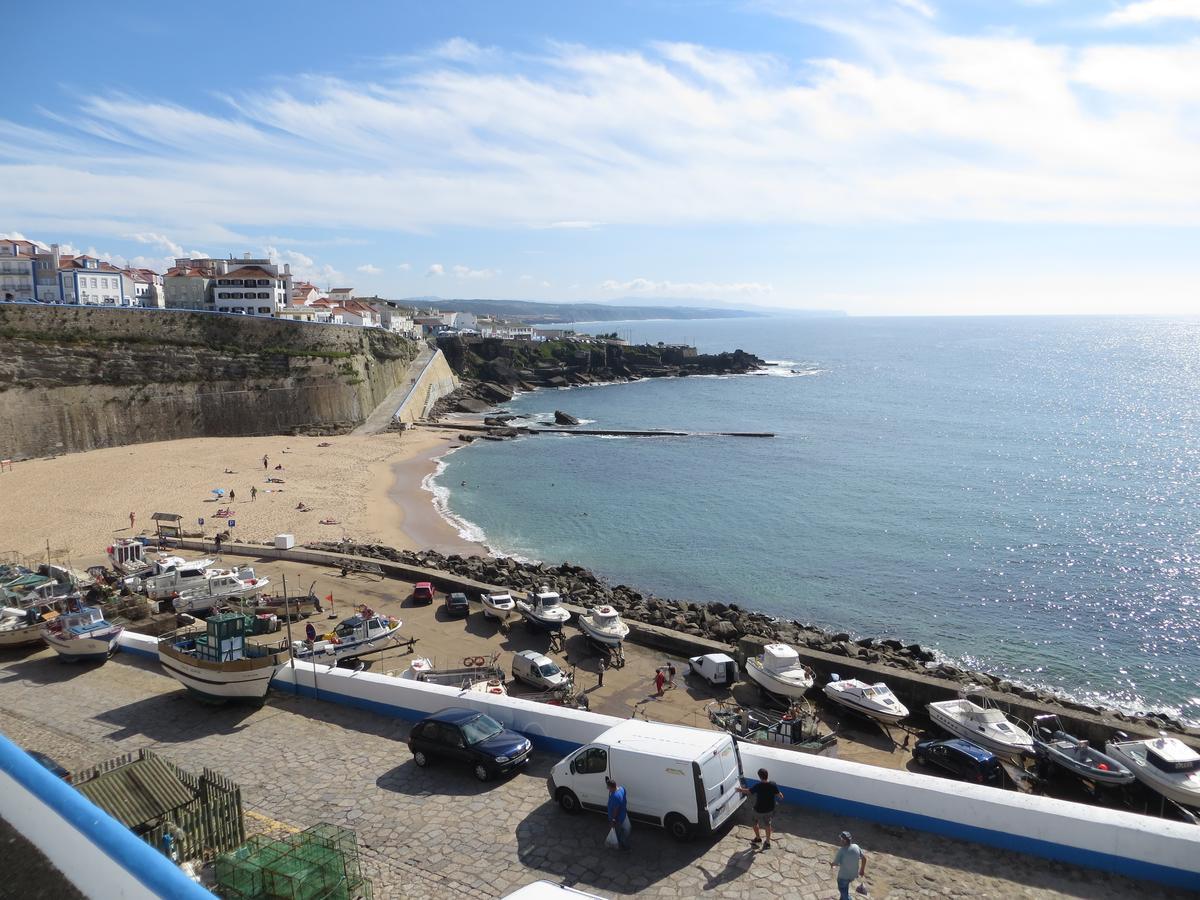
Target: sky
{"type": "Point", "coordinates": [895, 157]}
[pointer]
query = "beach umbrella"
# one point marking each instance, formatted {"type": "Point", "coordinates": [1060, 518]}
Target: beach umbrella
{"type": "Point", "coordinates": [219, 492]}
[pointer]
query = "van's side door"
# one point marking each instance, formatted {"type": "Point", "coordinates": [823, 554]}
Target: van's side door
{"type": "Point", "coordinates": [589, 767]}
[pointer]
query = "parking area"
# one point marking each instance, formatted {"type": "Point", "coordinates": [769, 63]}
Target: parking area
{"type": "Point", "coordinates": [437, 832]}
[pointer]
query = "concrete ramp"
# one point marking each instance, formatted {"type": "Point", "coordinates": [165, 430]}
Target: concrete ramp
{"type": "Point", "coordinates": [429, 379]}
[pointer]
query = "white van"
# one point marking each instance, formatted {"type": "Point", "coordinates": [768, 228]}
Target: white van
{"type": "Point", "coordinates": [538, 670]}
{"type": "Point", "coordinates": [683, 779]}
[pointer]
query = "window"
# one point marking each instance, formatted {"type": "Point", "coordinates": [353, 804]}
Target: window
{"type": "Point", "coordinates": [592, 761]}
{"type": "Point", "coordinates": [93, 282]}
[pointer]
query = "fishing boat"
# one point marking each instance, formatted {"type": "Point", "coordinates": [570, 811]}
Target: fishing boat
{"type": "Point", "coordinates": [874, 700]}
{"type": "Point", "coordinates": [171, 575]}
{"type": "Point", "coordinates": [218, 586]}
{"type": "Point", "coordinates": [796, 729]}
{"type": "Point", "coordinates": [987, 727]}
{"type": "Point", "coordinates": [128, 557]}
{"type": "Point", "coordinates": [20, 627]}
{"type": "Point", "coordinates": [544, 610]}
{"type": "Point", "coordinates": [491, 686]}
{"type": "Point", "coordinates": [82, 635]}
{"type": "Point", "coordinates": [218, 664]}
{"type": "Point", "coordinates": [1053, 744]}
{"type": "Point", "coordinates": [474, 670]}
{"type": "Point", "coordinates": [297, 606]}
{"type": "Point", "coordinates": [363, 633]}
{"type": "Point", "coordinates": [604, 626]}
{"type": "Point", "coordinates": [498, 606]}
{"type": "Point", "coordinates": [779, 671]}
{"type": "Point", "coordinates": [1164, 764]}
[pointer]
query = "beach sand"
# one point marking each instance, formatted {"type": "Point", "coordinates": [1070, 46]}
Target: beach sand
{"type": "Point", "coordinates": [370, 485]}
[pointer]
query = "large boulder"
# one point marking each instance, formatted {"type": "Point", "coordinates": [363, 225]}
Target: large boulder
{"type": "Point", "coordinates": [562, 418]}
{"type": "Point", "coordinates": [472, 405]}
{"type": "Point", "coordinates": [489, 390]}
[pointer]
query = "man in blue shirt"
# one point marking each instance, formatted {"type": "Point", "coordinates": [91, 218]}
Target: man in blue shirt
{"type": "Point", "coordinates": [618, 813]}
{"type": "Point", "coordinates": [851, 863]}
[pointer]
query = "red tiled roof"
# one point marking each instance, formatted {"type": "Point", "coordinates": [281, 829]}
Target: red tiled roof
{"type": "Point", "coordinates": [251, 272]}
{"type": "Point", "coordinates": [80, 262]}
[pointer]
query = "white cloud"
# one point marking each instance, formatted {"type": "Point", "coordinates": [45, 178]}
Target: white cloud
{"type": "Point", "coordinates": [369, 269]}
{"type": "Point", "coordinates": [907, 123]}
{"type": "Point", "coordinates": [545, 284]}
{"type": "Point", "coordinates": [1145, 12]}
{"type": "Point", "coordinates": [434, 270]}
{"type": "Point", "coordinates": [526, 278]}
{"type": "Point", "coordinates": [404, 267]}
{"type": "Point", "coordinates": [468, 272]}
{"type": "Point", "coordinates": [687, 288]}
{"type": "Point", "coordinates": [303, 266]}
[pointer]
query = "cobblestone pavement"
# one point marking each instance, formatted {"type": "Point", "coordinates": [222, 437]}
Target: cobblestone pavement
{"type": "Point", "coordinates": [438, 833]}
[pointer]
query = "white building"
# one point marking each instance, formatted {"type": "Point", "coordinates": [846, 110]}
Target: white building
{"type": "Point", "coordinates": [220, 285]}
{"type": "Point", "coordinates": [17, 267]}
{"type": "Point", "coordinates": [89, 281]}
{"type": "Point", "coordinates": [147, 288]}
{"type": "Point", "coordinates": [462, 321]}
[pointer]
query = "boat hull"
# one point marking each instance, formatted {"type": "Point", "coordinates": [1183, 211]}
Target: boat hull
{"type": "Point", "coordinates": [496, 612]}
{"type": "Point", "coordinates": [85, 649]}
{"type": "Point", "coordinates": [1159, 782]}
{"type": "Point", "coordinates": [245, 680]}
{"type": "Point", "coordinates": [772, 685]}
{"type": "Point", "coordinates": [851, 703]}
{"type": "Point", "coordinates": [1117, 774]}
{"type": "Point", "coordinates": [540, 624]}
{"type": "Point", "coordinates": [608, 640]}
{"type": "Point", "coordinates": [21, 637]}
{"type": "Point", "coordinates": [332, 653]}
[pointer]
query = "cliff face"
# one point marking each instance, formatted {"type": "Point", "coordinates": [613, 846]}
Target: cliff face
{"type": "Point", "coordinates": [77, 378]}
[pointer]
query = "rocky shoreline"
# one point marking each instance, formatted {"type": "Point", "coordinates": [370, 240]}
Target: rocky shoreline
{"type": "Point", "coordinates": [726, 623]}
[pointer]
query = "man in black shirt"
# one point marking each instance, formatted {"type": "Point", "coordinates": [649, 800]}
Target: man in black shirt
{"type": "Point", "coordinates": [766, 793]}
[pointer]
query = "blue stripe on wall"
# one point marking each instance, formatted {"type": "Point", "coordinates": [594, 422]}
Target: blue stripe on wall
{"type": "Point", "coordinates": [143, 863]}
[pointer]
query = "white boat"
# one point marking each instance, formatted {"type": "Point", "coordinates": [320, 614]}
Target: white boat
{"type": "Point", "coordinates": [128, 556]}
{"type": "Point", "coordinates": [475, 670]}
{"type": "Point", "coordinates": [491, 686]}
{"type": "Point", "coordinates": [356, 636]}
{"type": "Point", "coordinates": [1164, 764]}
{"type": "Point", "coordinates": [1054, 744]}
{"type": "Point", "coordinates": [218, 664]}
{"type": "Point", "coordinates": [986, 727]}
{"type": "Point", "coordinates": [779, 671]}
{"type": "Point", "coordinates": [874, 700]}
{"type": "Point", "coordinates": [544, 610]}
{"type": "Point", "coordinates": [172, 575]}
{"type": "Point", "coordinates": [82, 635]}
{"type": "Point", "coordinates": [498, 606]}
{"type": "Point", "coordinates": [604, 626]}
{"type": "Point", "coordinates": [20, 627]}
{"type": "Point", "coordinates": [218, 586]}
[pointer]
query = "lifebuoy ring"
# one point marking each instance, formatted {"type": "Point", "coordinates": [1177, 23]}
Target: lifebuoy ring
{"type": "Point", "coordinates": [466, 661]}
{"type": "Point", "coordinates": [479, 660]}
{"type": "Point", "coordinates": [495, 682]}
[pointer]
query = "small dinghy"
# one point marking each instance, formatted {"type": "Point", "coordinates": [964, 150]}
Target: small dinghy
{"type": "Point", "coordinates": [986, 727]}
{"type": "Point", "coordinates": [498, 606]}
{"type": "Point", "coordinates": [544, 610]}
{"type": "Point", "coordinates": [779, 671]}
{"type": "Point", "coordinates": [604, 626]}
{"type": "Point", "coordinates": [798, 728]}
{"type": "Point", "coordinates": [20, 627]}
{"type": "Point", "coordinates": [1164, 764]}
{"type": "Point", "coordinates": [874, 700]}
{"type": "Point", "coordinates": [83, 635]}
{"type": "Point", "coordinates": [1053, 744]}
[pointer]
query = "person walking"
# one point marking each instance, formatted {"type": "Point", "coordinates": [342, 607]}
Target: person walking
{"type": "Point", "coordinates": [765, 794]}
{"type": "Point", "coordinates": [264, 460]}
{"type": "Point", "coordinates": [603, 666]}
{"type": "Point", "coordinates": [132, 517]}
{"type": "Point", "coordinates": [232, 495]}
{"type": "Point", "coordinates": [253, 493]}
{"type": "Point", "coordinates": [850, 862]}
{"type": "Point", "coordinates": [660, 679]}
{"type": "Point", "coordinates": [217, 541]}
{"type": "Point", "coordinates": [618, 813]}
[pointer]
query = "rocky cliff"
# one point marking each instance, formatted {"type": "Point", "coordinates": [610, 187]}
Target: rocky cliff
{"type": "Point", "coordinates": [76, 378]}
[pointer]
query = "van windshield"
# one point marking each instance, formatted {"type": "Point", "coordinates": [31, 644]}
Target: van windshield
{"type": "Point", "coordinates": [549, 669]}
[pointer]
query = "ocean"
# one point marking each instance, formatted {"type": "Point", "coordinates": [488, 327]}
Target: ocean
{"type": "Point", "coordinates": [1018, 493]}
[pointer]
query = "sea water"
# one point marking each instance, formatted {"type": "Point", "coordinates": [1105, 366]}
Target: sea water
{"type": "Point", "coordinates": [1020, 494]}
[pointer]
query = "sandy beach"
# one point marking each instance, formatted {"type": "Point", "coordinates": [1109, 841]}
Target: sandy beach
{"type": "Point", "coordinates": [370, 486]}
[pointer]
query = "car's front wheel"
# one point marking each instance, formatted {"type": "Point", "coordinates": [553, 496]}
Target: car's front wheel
{"type": "Point", "coordinates": [567, 800]}
{"type": "Point", "coordinates": [420, 758]}
{"type": "Point", "coordinates": [483, 772]}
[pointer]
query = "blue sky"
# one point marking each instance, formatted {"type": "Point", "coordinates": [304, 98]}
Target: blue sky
{"type": "Point", "coordinates": [897, 157]}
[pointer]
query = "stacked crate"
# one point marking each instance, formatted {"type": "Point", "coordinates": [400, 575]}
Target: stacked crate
{"type": "Point", "coordinates": [320, 863]}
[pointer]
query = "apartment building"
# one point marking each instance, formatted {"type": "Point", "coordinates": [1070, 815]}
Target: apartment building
{"type": "Point", "coordinates": [245, 285]}
{"type": "Point", "coordinates": [17, 267]}
{"type": "Point", "coordinates": [89, 281]}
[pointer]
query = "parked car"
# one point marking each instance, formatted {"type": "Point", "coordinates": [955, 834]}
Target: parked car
{"type": "Point", "coordinates": [964, 759]}
{"type": "Point", "coordinates": [456, 605]}
{"type": "Point", "coordinates": [468, 736]}
{"type": "Point", "coordinates": [423, 592]}
{"type": "Point", "coordinates": [683, 779]}
{"type": "Point", "coordinates": [538, 670]}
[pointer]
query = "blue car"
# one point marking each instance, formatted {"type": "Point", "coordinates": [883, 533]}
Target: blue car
{"type": "Point", "coordinates": [471, 737]}
{"type": "Point", "coordinates": [962, 758]}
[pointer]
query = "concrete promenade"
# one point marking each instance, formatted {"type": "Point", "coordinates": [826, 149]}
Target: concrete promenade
{"type": "Point", "coordinates": [438, 833]}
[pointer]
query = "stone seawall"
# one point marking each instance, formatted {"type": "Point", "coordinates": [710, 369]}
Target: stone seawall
{"type": "Point", "coordinates": [78, 378]}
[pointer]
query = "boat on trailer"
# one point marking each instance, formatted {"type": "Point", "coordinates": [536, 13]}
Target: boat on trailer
{"type": "Point", "coordinates": [798, 728]}
{"type": "Point", "coordinates": [83, 635]}
{"type": "Point", "coordinates": [604, 626]}
{"type": "Point", "coordinates": [498, 606]}
{"type": "Point", "coordinates": [1164, 764]}
{"type": "Point", "coordinates": [778, 671]}
{"type": "Point", "coordinates": [363, 633]}
{"type": "Point", "coordinates": [985, 726]}
{"type": "Point", "coordinates": [1053, 744]}
{"type": "Point", "coordinates": [216, 663]}
{"type": "Point", "coordinates": [873, 700]}
{"type": "Point", "coordinates": [544, 610]}
{"type": "Point", "coordinates": [220, 586]}
{"type": "Point", "coordinates": [474, 670]}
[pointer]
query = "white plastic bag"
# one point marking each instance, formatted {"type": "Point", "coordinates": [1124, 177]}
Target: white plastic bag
{"type": "Point", "coordinates": [611, 841]}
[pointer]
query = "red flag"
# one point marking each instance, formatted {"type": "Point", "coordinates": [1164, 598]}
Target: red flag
{"type": "Point", "coordinates": [329, 597]}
